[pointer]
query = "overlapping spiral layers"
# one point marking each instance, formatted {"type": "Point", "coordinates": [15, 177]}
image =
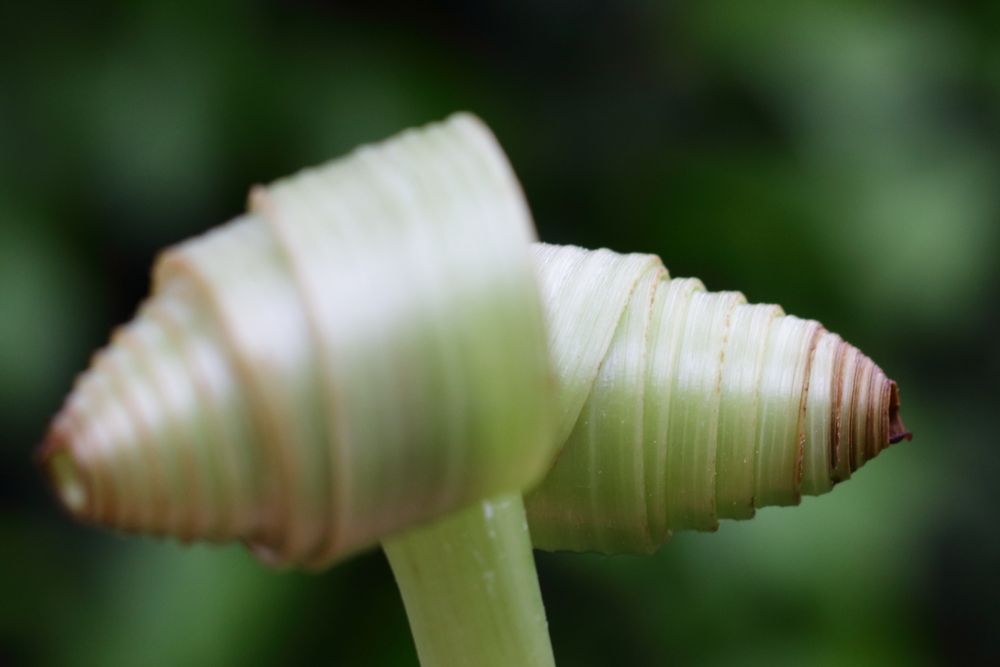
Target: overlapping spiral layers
{"type": "Point", "coordinates": [378, 343]}
{"type": "Point", "coordinates": [679, 407]}
{"type": "Point", "coordinates": [362, 352]}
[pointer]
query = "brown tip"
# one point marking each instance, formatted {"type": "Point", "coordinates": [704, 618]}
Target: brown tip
{"type": "Point", "coordinates": [897, 429]}
{"type": "Point", "coordinates": [65, 476]}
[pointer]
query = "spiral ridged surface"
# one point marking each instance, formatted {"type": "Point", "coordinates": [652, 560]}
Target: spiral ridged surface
{"type": "Point", "coordinates": [379, 342]}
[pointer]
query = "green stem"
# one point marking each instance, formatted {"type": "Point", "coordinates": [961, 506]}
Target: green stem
{"type": "Point", "coordinates": [470, 588]}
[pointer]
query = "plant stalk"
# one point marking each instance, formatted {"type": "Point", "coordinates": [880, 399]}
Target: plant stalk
{"type": "Point", "coordinates": [470, 588]}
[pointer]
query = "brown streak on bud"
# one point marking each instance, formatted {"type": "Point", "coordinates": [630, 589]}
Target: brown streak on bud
{"type": "Point", "coordinates": [836, 394]}
{"type": "Point", "coordinates": [800, 422]}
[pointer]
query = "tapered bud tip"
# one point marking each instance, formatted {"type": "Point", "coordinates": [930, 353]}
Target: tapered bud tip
{"type": "Point", "coordinates": [64, 473]}
{"type": "Point", "coordinates": [897, 429]}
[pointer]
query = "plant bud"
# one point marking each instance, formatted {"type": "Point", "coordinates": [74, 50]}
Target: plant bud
{"type": "Point", "coordinates": [378, 342]}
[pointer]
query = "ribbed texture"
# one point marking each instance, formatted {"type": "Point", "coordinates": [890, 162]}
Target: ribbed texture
{"type": "Point", "coordinates": [365, 351]}
{"type": "Point", "coordinates": [362, 352]}
{"type": "Point", "coordinates": [703, 407]}
{"type": "Point", "coordinates": [138, 424]}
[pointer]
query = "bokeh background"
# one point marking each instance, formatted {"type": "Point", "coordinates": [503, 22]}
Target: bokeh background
{"type": "Point", "coordinates": [839, 158]}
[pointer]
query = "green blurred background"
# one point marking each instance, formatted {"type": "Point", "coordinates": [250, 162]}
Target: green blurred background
{"type": "Point", "coordinates": [839, 158]}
